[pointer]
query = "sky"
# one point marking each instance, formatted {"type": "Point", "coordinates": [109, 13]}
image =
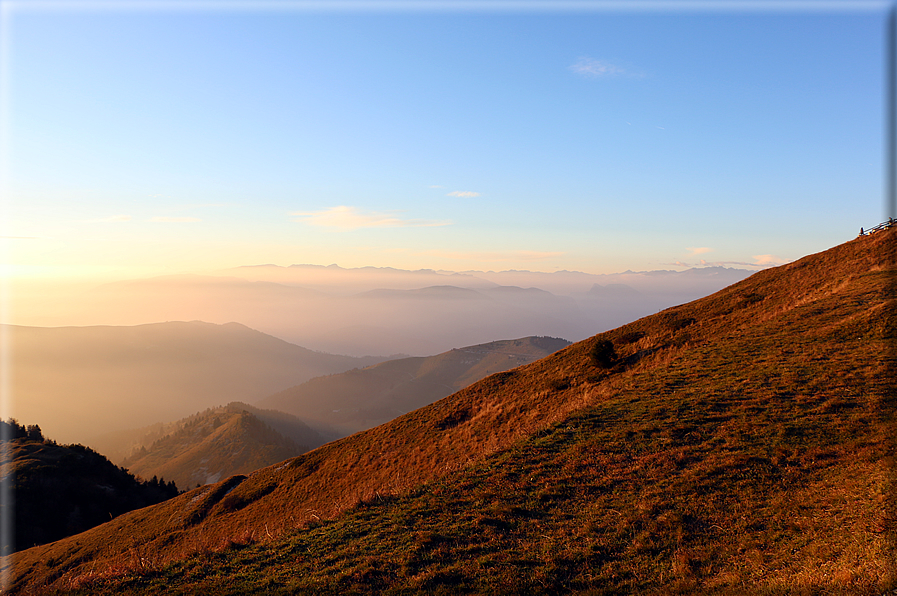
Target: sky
{"type": "Point", "coordinates": [148, 138]}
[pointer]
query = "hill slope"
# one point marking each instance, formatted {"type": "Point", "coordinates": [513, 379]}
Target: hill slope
{"type": "Point", "coordinates": [83, 383]}
{"type": "Point", "coordinates": [738, 441]}
{"type": "Point", "coordinates": [360, 399]}
{"type": "Point", "coordinates": [220, 442]}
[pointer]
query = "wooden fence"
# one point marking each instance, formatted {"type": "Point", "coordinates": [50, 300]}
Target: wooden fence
{"type": "Point", "coordinates": [882, 226]}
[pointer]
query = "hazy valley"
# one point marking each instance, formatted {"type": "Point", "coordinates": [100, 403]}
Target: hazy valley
{"type": "Point", "coordinates": [380, 311]}
{"type": "Point", "coordinates": [85, 383]}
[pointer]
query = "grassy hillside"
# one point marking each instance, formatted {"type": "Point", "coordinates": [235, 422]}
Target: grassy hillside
{"type": "Point", "coordinates": [218, 443]}
{"type": "Point", "coordinates": [85, 383]}
{"type": "Point", "coordinates": [741, 443]}
{"type": "Point", "coordinates": [363, 398]}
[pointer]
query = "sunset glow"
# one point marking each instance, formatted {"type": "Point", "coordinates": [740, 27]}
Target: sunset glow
{"type": "Point", "coordinates": [158, 141]}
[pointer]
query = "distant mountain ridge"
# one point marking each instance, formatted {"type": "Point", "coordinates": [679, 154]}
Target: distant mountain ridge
{"type": "Point", "coordinates": [384, 311]}
{"type": "Point", "coordinates": [360, 399]}
{"type": "Point", "coordinates": [333, 278]}
{"type": "Point", "coordinates": [421, 320]}
{"type": "Point", "coordinates": [336, 279]}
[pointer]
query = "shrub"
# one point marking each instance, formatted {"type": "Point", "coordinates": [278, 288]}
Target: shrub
{"type": "Point", "coordinates": [676, 324]}
{"type": "Point", "coordinates": [558, 384]}
{"type": "Point", "coordinates": [603, 354]}
{"type": "Point", "coordinates": [453, 419]}
{"type": "Point", "coordinates": [630, 338]}
{"type": "Point", "coordinates": [751, 298]}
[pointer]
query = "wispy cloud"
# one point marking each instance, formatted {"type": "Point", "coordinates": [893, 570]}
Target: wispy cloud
{"type": "Point", "coordinates": [514, 255]}
{"type": "Point", "coordinates": [760, 262]}
{"type": "Point", "coordinates": [589, 67]}
{"type": "Point", "coordinates": [349, 218]}
{"type": "Point", "coordinates": [463, 193]}
{"type": "Point", "coordinates": [703, 263]}
{"type": "Point", "coordinates": [18, 237]}
{"type": "Point", "coordinates": [769, 260]}
{"type": "Point", "coordinates": [698, 250]}
{"type": "Point", "coordinates": [112, 219]}
{"type": "Point", "coordinates": [436, 186]}
{"type": "Point", "coordinates": [174, 219]}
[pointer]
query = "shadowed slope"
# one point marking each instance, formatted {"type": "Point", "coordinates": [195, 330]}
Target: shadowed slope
{"type": "Point", "coordinates": [61, 490]}
{"type": "Point", "coordinates": [738, 440]}
{"type": "Point", "coordinates": [360, 399]}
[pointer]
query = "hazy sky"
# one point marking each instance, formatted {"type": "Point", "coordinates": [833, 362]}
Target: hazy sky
{"type": "Point", "coordinates": [140, 139]}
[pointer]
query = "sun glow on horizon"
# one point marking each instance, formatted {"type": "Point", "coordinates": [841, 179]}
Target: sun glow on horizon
{"type": "Point", "coordinates": [546, 142]}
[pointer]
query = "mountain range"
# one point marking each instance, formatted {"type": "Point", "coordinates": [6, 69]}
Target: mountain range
{"type": "Point", "coordinates": [380, 311]}
{"type": "Point", "coordinates": [85, 384]}
{"type": "Point", "coordinates": [359, 399]}
{"type": "Point", "coordinates": [239, 438]}
{"type": "Point", "coordinates": [739, 443]}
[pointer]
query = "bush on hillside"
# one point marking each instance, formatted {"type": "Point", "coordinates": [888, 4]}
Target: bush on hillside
{"type": "Point", "coordinates": [677, 323]}
{"type": "Point", "coordinates": [751, 298]}
{"type": "Point", "coordinates": [630, 338]}
{"type": "Point", "coordinates": [603, 354]}
{"type": "Point", "coordinates": [558, 384]}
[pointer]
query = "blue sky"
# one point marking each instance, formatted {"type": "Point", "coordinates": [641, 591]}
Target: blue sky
{"type": "Point", "coordinates": [160, 141]}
